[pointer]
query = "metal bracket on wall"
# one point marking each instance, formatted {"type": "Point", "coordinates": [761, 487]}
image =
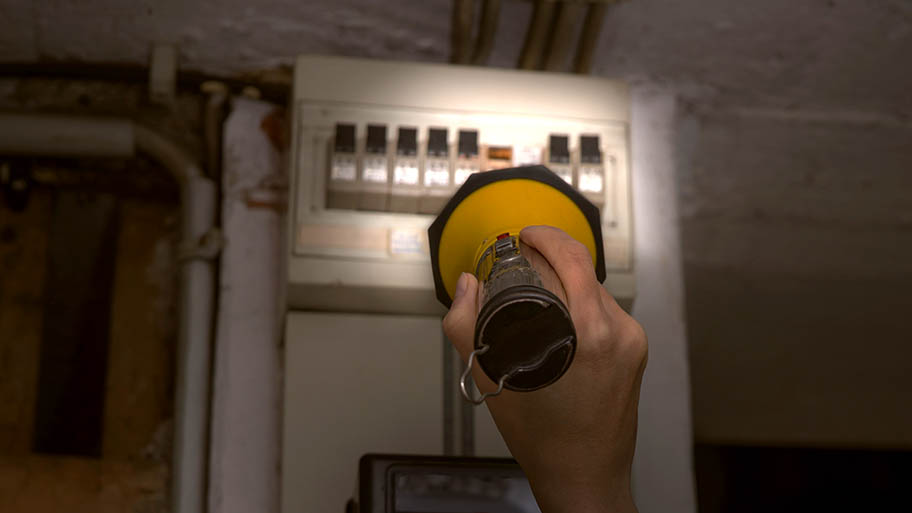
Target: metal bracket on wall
{"type": "Point", "coordinates": [206, 247]}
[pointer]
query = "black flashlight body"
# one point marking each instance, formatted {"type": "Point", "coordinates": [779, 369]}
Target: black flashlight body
{"type": "Point", "coordinates": [527, 329]}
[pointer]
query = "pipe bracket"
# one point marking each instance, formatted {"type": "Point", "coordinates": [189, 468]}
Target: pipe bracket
{"type": "Point", "coordinates": [207, 247]}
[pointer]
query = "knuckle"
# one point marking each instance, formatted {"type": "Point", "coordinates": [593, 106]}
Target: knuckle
{"type": "Point", "coordinates": [449, 324]}
{"type": "Point", "coordinates": [601, 330]}
{"type": "Point", "coordinates": [575, 252]}
{"type": "Point", "coordinates": [593, 325]}
{"type": "Point", "coordinates": [633, 341]}
{"type": "Point", "coordinates": [615, 337]}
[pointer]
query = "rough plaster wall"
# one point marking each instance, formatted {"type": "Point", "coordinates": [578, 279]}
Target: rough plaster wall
{"type": "Point", "coordinates": [808, 54]}
{"type": "Point", "coordinates": [226, 35]}
{"type": "Point", "coordinates": [813, 54]}
{"type": "Point", "coordinates": [798, 262]}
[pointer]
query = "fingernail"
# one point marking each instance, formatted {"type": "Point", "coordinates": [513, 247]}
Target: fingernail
{"type": "Point", "coordinates": [461, 286]}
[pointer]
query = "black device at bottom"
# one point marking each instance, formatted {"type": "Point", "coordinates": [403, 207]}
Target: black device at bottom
{"type": "Point", "coordinates": [441, 484]}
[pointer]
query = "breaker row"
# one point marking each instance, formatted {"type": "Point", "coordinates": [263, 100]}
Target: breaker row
{"type": "Point", "coordinates": [417, 173]}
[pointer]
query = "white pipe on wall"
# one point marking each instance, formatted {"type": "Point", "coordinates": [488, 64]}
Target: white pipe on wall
{"type": "Point", "coordinates": [59, 136]}
{"type": "Point", "coordinates": [244, 458]}
{"type": "Point", "coordinates": [24, 134]}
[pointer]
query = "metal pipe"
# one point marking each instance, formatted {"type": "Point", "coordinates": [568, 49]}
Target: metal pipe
{"type": "Point", "coordinates": [60, 136]}
{"type": "Point", "coordinates": [461, 31]}
{"type": "Point", "coordinates": [561, 40]}
{"type": "Point", "coordinates": [536, 36]}
{"type": "Point", "coordinates": [246, 420]}
{"type": "Point", "coordinates": [213, 117]}
{"type": "Point", "coordinates": [57, 136]}
{"type": "Point", "coordinates": [490, 13]}
{"type": "Point", "coordinates": [198, 204]}
{"type": "Point", "coordinates": [589, 38]}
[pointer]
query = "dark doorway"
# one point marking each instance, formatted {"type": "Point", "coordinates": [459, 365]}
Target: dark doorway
{"type": "Point", "coordinates": [765, 479]}
{"type": "Point", "coordinates": [69, 410]}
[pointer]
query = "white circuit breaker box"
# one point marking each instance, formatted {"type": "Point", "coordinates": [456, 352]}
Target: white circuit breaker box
{"type": "Point", "coordinates": [377, 150]}
{"type": "Point", "coordinates": [379, 147]}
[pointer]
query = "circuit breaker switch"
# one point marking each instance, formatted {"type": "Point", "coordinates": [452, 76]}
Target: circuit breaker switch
{"type": "Point", "coordinates": [343, 157]}
{"type": "Point", "coordinates": [406, 187]}
{"type": "Point", "coordinates": [342, 190]}
{"type": "Point", "coordinates": [344, 141]}
{"type": "Point", "coordinates": [468, 143]}
{"type": "Point", "coordinates": [559, 157]}
{"type": "Point", "coordinates": [376, 139]}
{"type": "Point", "coordinates": [407, 143]}
{"type": "Point", "coordinates": [406, 170]}
{"type": "Point", "coordinates": [375, 160]}
{"type": "Point", "coordinates": [558, 149]}
{"type": "Point", "coordinates": [591, 170]}
{"type": "Point", "coordinates": [467, 160]}
{"type": "Point", "coordinates": [438, 177]}
{"type": "Point", "coordinates": [590, 153]}
{"type": "Point", "coordinates": [375, 171]}
{"type": "Point", "coordinates": [437, 143]}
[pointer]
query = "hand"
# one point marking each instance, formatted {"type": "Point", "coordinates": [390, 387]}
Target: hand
{"type": "Point", "coordinates": [575, 438]}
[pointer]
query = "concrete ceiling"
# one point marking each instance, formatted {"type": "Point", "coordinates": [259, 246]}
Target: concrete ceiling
{"type": "Point", "coordinates": [814, 54]}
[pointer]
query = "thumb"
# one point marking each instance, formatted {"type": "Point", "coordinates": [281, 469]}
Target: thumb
{"type": "Point", "coordinates": [459, 323]}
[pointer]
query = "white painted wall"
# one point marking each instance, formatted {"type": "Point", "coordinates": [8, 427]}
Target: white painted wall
{"type": "Point", "coordinates": [798, 262]}
{"type": "Point", "coordinates": [663, 465]}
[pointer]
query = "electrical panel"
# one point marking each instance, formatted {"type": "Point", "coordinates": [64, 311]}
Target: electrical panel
{"type": "Point", "coordinates": [379, 148]}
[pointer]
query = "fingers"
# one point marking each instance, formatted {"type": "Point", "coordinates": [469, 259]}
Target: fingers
{"type": "Point", "coordinates": [628, 335]}
{"type": "Point", "coordinates": [573, 265]}
{"type": "Point", "coordinates": [459, 326]}
{"type": "Point", "coordinates": [459, 323]}
{"type": "Point", "coordinates": [549, 278]}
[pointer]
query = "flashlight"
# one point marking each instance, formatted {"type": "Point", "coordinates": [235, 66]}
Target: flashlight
{"type": "Point", "coordinates": [524, 336]}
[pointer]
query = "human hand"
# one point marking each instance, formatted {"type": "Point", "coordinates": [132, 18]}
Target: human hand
{"type": "Point", "coordinates": [575, 438]}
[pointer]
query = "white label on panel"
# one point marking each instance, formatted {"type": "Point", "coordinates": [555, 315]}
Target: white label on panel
{"type": "Point", "coordinates": [461, 174]}
{"type": "Point", "coordinates": [437, 173]}
{"type": "Point", "coordinates": [343, 168]}
{"type": "Point", "coordinates": [591, 179]}
{"type": "Point", "coordinates": [375, 169]}
{"type": "Point", "coordinates": [564, 172]}
{"type": "Point", "coordinates": [406, 173]}
{"type": "Point", "coordinates": [404, 241]}
{"type": "Point", "coordinates": [527, 155]}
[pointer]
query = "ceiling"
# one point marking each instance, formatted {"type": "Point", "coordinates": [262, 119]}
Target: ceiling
{"type": "Point", "coordinates": [814, 54]}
